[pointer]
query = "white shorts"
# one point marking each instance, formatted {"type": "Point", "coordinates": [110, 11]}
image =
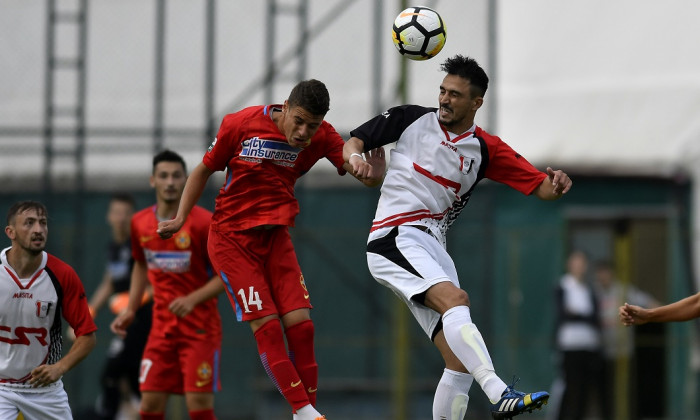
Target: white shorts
{"type": "Point", "coordinates": [48, 404]}
{"type": "Point", "coordinates": [409, 261]}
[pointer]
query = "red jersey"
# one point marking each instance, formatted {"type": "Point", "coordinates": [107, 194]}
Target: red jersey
{"type": "Point", "coordinates": [176, 267]}
{"type": "Point", "coordinates": [30, 330]}
{"type": "Point", "coordinates": [262, 168]}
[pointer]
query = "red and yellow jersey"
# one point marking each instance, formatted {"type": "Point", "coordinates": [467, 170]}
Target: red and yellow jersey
{"type": "Point", "coordinates": [262, 168]}
{"type": "Point", "coordinates": [176, 267]}
{"type": "Point", "coordinates": [30, 320]}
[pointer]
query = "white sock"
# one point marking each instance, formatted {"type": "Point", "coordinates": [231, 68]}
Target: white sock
{"type": "Point", "coordinates": [307, 412]}
{"type": "Point", "coordinates": [466, 343]}
{"type": "Point", "coordinates": [451, 395]}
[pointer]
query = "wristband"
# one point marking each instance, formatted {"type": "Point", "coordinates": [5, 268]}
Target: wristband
{"type": "Point", "coordinates": [356, 154]}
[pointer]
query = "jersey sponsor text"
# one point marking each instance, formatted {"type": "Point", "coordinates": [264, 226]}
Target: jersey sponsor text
{"type": "Point", "coordinates": [277, 151]}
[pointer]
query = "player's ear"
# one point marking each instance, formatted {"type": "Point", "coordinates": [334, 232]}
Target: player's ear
{"type": "Point", "coordinates": [478, 102]}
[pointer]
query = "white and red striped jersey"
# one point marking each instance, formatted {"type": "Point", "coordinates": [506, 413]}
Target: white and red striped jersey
{"type": "Point", "coordinates": [30, 317]}
{"type": "Point", "coordinates": [432, 172]}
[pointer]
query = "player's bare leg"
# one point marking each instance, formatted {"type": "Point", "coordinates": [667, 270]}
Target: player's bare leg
{"type": "Point", "coordinates": [153, 405]}
{"type": "Point", "coordinates": [452, 393]}
{"type": "Point", "coordinates": [200, 405]}
{"type": "Point", "coordinates": [452, 303]}
{"type": "Point", "coordinates": [465, 341]}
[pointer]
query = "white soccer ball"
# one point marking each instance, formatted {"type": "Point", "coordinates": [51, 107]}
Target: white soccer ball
{"type": "Point", "coordinates": [419, 33]}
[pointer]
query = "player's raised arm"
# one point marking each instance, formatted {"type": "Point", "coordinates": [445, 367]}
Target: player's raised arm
{"type": "Point", "coordinates": [368, 168]}
{"type": "Point", "coordinates": [193, 190]}
{"type": "Point", "coordinates": [554, 186]}
{"type": "Point", "coordinates": [682, 310]}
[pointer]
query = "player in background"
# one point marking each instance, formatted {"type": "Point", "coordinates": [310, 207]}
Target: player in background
{"type": "Point", "coordinates": [120, 372]}
{"type": "Point", "coordinates": [579, 345]}
{"type": "Point", "coordinates": [183, 350]}
{"type": "Point", "coordinates": [265, 149]}
{"type": "Point", "coordinates": [439, 158]}
{"type": "Point", "coordinates": [36, 290]}
{"type": "Point", "coordinates": [683, 310]}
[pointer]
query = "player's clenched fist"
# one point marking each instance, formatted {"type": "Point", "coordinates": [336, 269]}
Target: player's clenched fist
{"type": "Point", "coordinates": [168, 228]}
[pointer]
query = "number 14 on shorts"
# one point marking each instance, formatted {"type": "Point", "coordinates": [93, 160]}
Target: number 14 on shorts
{"type": "Point", "coordinates": [253, 299]}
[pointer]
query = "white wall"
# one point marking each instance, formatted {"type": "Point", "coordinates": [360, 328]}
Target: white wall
{"type": "Point", "coordinates": [120, 64]}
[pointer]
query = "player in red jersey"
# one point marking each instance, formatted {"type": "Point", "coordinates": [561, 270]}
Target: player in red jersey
{"type": "Point", "coordinates": [265, 149]}
{"type": "Point", "coordinates": [35, 287]}
{"type": "Point", "coordinates": [183, 350]}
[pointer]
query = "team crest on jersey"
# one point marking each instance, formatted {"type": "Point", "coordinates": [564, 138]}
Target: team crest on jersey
{"type": "Point", "coordinates": [205, 373]}
{"type": "Point", "coordinates": [303, 284]}
{"type": "Point", "coordinates": [465, 164]}
{"type": "Point", "coordinates": [43, 308]}
{"type": "Point", "coordinates": [276, 151]}
{"type": "Point", "coordinates": [182, 240]}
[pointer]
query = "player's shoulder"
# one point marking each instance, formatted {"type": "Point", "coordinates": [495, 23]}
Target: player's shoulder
{"type": "Point", "coordinates": [144, 220]}
{"type": "Point", "coordinates": [410, 111]}
{"type": "Point", "coordinates": [487, 137]}
{"type": "Point", "coordinates": [142, 215]}
{"type": "Point", "coordinates": [59, 267]}
{"type": "Point", "coordinates": [241, 120]}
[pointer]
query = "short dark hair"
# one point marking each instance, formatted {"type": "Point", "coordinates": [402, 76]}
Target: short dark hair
{"type": "Point", "coordinates": [168, 156]}
{"type": "Point", "coordinates": [22, 206]}
{"type": "Point", "coordinates": [310, 95]}
{"type": "Point", "coordinates": [468, 68]}
{"type": "Point", "coordinates": [123, 197]}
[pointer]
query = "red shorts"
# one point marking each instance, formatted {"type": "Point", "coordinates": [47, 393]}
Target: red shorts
{"type": "Point", "coordinates": [180, 364]}
{"type": "Point", "coordinates": [260, 270]}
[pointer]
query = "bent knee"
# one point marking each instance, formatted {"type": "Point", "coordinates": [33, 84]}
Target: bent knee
{"type": "Point", "coordinates": [462, 298]}
{"type": "Point", "coordinates": [444, 296]}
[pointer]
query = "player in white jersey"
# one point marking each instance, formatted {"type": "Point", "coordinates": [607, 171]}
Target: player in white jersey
{"type": "Point", "coordinates": [440, 156]}
{"type": "Point", "coordinates": [36, 290]}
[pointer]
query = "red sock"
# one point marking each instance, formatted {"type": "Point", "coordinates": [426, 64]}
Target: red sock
{"type": "Point", "coordinates": [279, 368]}
{"type": "Point", "coordinates": [202, 414]}
{"type": "Point", "coordinates": [152, 416]}
{"type": "Point", "coordinates": [300, 338]}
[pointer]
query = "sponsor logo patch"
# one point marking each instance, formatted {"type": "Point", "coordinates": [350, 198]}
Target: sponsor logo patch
{"type": "Point", "coordinates": [278, 152]}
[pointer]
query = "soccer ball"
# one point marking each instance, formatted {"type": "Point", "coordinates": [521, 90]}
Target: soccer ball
{"type": "Point", "coordinates": [419, 33]}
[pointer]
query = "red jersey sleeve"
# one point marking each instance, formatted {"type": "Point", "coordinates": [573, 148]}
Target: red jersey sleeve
{"type": "Point", "coordinates": [74, 305]}
{"type": "Point", "coordinates": [509, 167]}
{"type": "Point", "coordinates": [334, 151]}
{"type": "Point", "coordinates": [225, 144]}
